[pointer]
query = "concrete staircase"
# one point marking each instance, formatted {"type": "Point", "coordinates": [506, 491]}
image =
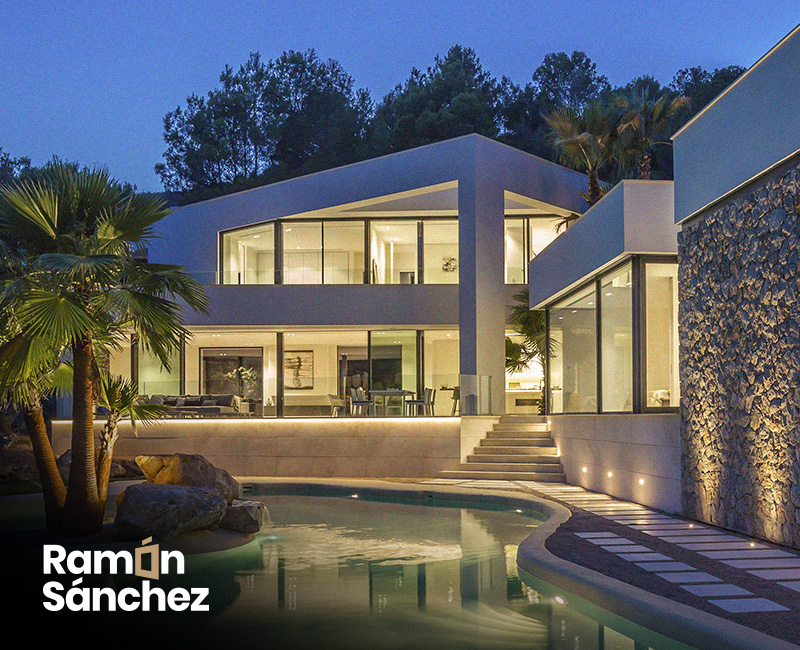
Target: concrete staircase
{"type": "Point", "coordinates": [519, 447]}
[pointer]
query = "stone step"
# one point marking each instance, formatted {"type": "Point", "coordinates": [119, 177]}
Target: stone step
{"type": "Point", "coordinates": [523, 418]}
{"type": "Point", "coordinates": [517, 433]}
{"type": "Point", "coordinates": [521, 426]}
{"type": "Point", "coordinates": [544, 477]}
{"type": "Point", "coordinates": [512, 467]}
{"type": "Point", "coordinates": [538, 450]}
{"type": "Point", "coordinates": [513, 458]}
{"type": "Point", "coordinates": [517, 442]}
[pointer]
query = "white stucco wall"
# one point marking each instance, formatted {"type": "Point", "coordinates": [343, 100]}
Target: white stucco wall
{"type": "Point", "coordinates": [751, 126]}
{"type": "Point", "coordinates": [346, 447]}
{"type": "Point", "coordinates": [632, 448]}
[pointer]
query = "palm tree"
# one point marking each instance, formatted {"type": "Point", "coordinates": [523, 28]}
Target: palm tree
{"type": "Point", "coordinates": [119, 396]}
{"type": "Point", "coordinates": [585, 140]}
{"type": "Point", "coordinates": [531, 324]}
{"type": "Point", "coordinates": [79, 284]}
{"type": "Point", "coordinates": [644, 122]}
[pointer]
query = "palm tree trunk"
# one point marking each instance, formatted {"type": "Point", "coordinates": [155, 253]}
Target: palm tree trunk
{"type": "Point", "coordinates": [83, 510]}
{"type": "Point", "coordinates": [107, 440]}
{"type": "Point", "coordinates": [53, 490]}
{"type": "Point", "coordinates": [595, 191]}
{"type": "Point", "coordinates": [644, 167]}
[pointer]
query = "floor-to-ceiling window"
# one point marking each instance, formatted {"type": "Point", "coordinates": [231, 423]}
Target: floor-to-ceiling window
{"type": "Point", "coordinates": [616, 339]}
{"type": "Point", "coordinates": [526, 237]}
{"type": "Point", "coordinates": [248, 255]}
{"type": "Point", "coordinates": [440, 251]}
{"type": "Point", "coordinates": [155, 379]}
{"type": "Point", "coordinates": [662, 384]}
{"type": "Point", "coordinates": [343, 245]}
{"type": "Point", "coordinates": [302, 252]}
{"type": "Point", "coordinates": [573, 361]}
{"type": "Point", "coordinates": [636, 307]}
{"type": "Point", "coordinates": [393, 252]}
{"type": "Point", "coordinates": [441, 364]}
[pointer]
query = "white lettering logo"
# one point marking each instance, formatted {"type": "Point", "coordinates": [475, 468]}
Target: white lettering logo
{"type": "Point", "coordinates": [93, 599]}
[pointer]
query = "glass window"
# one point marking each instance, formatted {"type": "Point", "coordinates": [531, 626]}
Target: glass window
{"type": "Point", "coordinates": [202, 370]}
{"type": "Point", "coordinates": [394, 360]}
{"type": "Point", "coordinates": [344, 252]}
{"type": "Point", "coordinates": [302, 253]}
{"type": "Point", "coordinates": [236, 371]}
{"type": "Point", "coordinates": [248, 255]}
{"type": "Point", "coordinates": [440, 252]}
{"type": "Point", "coordinates": [661, 328]}
{"type": "Point", "coordinates": [524, 386]}
{"type": "Point", "coordinates": [321, 364]}
{"type": "Point", "coordinates": [515, 251]}
{"type": "Point", "coordinates": [393, 252]}
{"type": "Point", "coordinates": [154, 379]}
{"type": "Point", "coordinates": [573, 361]}
{"type": "Point", "coordinates": [616, 340]}
{"type": "Point", "coordinates": [442, 369]}
{"type": "Point", "coordinates": [542, 232]}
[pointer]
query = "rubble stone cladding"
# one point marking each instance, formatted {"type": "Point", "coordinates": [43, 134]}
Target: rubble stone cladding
{"type": "Point", "coordinates": [739, 324]}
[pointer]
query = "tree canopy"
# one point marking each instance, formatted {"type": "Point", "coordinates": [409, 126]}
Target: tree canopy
{"type": "Point", "coordinates": [267, 121]}
{"type": "Point", "coordinates": [299, 113]}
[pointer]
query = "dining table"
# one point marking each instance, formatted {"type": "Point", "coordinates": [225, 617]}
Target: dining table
{"type": "Point", "coordinates": [388, 393]}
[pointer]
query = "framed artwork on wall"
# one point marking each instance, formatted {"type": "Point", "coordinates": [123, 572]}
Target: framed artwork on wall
{"type": "Point", "coordinates": [298, 369]}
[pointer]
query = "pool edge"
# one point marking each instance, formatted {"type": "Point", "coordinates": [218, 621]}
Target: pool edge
{"type": "Point", "coordinates": [657, 613]}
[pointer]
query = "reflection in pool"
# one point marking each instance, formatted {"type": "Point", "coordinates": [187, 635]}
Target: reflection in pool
{"type": "Point", "coordinates": [335, 573]}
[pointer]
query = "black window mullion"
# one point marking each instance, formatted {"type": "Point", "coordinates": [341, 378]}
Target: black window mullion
{"type": "Point", "coordinates": [598, 345]}
{"type": "Point", "coordinates": [420, 252]}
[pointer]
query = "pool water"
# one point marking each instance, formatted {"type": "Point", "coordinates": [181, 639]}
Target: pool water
{"type": "Point", "coordinates": [349, 573]}
{"type": "Point", "coordinates": [340, 572]}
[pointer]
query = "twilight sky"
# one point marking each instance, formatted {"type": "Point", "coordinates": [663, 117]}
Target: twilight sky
{"type": "Point", "coordinates": [91, 80]}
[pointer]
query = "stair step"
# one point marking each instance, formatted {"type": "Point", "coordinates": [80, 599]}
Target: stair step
{"type": "Point", "coordinates": [514, 458]}
{"type": "Point", "coordinates": [517, 442]}
{"type": "Point", "coordinates": [544, 477]}
{"type": "Point", "coordinates": [523, 418]}
{"type": "Point", "coordinates": [513, 467]}
{"type": "Point", "coordinates": [521, 426]}
{"type": "Point", "coordinates": [517, 433]}
{"type": "Point", "coordinates": [539, 450]}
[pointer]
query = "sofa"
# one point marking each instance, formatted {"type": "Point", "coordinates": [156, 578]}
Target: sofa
{"type": "Point", "coordinates": [200, 405]}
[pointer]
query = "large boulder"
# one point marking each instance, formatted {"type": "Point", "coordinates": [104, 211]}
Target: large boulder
{"type": "Point", "coordinates": [243, 516]}
{"type": "Point", "coordinates": [188, 469]}
{"type": "Point", "coordinates": [163, 511]}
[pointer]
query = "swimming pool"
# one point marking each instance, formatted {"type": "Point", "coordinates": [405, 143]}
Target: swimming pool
{"type": "Point", "coordinates": [350, 572]}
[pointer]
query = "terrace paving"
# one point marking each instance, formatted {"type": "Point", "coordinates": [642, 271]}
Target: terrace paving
{"type": "Point", "coordinates": [733, 576]}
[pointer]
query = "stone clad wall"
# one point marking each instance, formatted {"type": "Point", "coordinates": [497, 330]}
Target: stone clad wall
{"type": "Point", "coordinates": [740, 360]}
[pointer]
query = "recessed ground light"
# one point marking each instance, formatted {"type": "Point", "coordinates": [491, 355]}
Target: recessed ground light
{"type": "Point", "coordinates": [518, 510]}
{"type": "Point", "coordinates": [641, 481]}
{"type": "Point", "coordinates": [574, 311]}
{"type": "Point", "coordinates": [256, 236]}
{"type": "Point", "coordinates": [560, 318]}
{"type": "Point", "coordinates": [560, 600]}
{"type": "Point", "coordinates": [584, 470]}
{"type": "Point", "coordinates": [589, 303]}
{"type": "Point", "coordinates": [752, 543]}
{"type": "Point", "coordinates": [354, 496]}
{"type": "Point", "coordinates": [610, 474]}
{"type": "Point", "coordinates": [288, 230]}
{"type": "Point", "coordinates": [609, 293]}
{"type": "Point", "coordinates": [691, 525]}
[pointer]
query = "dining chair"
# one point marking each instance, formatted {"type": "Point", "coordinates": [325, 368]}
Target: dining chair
{"type": "Point", "coordinates": [359, 404]}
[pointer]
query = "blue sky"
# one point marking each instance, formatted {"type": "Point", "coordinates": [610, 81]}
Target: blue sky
{"type": "Point", "coordinates": [91, 80]}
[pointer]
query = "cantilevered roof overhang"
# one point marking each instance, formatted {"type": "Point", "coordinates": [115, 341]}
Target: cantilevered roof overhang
{"type": "Point", "coordinates": [636, 217]}
{"type": "Point", "coordinates": [189, 235]}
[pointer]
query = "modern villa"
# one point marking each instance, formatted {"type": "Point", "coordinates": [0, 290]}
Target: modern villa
{"type": "Point", "coordinates": [380, 290]}
{"type": "Point", "coordinates": [393, 274]}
